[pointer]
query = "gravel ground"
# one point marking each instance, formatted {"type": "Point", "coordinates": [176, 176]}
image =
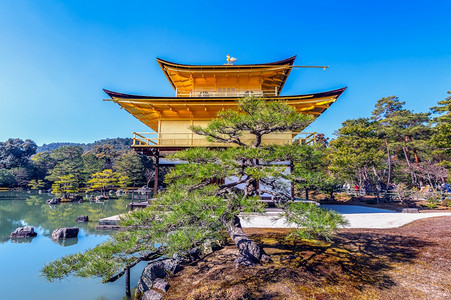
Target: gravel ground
{"type": "Point", "coordinates": [357, 216]}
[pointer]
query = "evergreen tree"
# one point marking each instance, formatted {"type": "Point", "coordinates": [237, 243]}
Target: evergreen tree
{"type": "Point", "coordinates": [133, 166]}
{"type": "Point", "coordinates": [106, 153]}
{"type": "Point", "coordinates": [6, 178]}
{"type": "Point", "coordinates": [36, 184]}
{"type": "Point", "coordinates": [406, 135]}
{"type": "Point", "coordinates": [91, 165]}
{"type": "Point", "coordinates": [104, 180]}
{"type": "Point", "coordinates": [65, 185]}
{"type": "Point", "coordinates": [15, 153]}
{"type": "Point", "coordinates": [68, 161]}
{"type": "Point", "coordinates": [199, 205]}
{"type": "Point", "coordinates": [441, 132]}
{"type": "Point", "coordinates": [42, 163]}
{"type": "Point", "coordinates": [356, 154]}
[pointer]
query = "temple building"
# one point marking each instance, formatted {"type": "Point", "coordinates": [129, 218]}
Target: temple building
{"type": "Point", "coordinates": [201, 91]}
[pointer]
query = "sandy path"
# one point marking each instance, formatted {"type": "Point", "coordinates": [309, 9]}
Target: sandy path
{"type": "Point", "coordinates": [374, 218]}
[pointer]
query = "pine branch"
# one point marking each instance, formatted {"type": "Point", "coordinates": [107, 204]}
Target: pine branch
{"type": "Point", "coordinates": [147, 257]}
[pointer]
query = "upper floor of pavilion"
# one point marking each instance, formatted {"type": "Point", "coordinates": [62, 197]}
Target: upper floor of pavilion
{"type": "Point", "coordinates": [201, 91]}
{"type": "Point", "coordinates": [227, 80]}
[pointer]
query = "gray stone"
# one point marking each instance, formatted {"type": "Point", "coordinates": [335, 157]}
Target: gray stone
{"type": "Point", "coordinates": [187, 256]}
{"type": "Point", "coordinates": [100, 198]}
{"type": "Point", "coordinates": [171, 266]}
{"type": "Point", "coordinates": [160, 284]}
{"type": "Point", "coordinates": [410, 210]}
{"type": "Point", "coordinates": [65, 233]}
{"type": "Point", "coordinates": [151, 272]}
{"type": "Point", "coordinates": [23, 232]}
{"type": "Point", "coordinates": [108, 227]}
{"type": "Point", "coordinates": [151, 295]}
{"type": "Point", "coordinates": [82, 219]}
{"type": "Point", "coordinates": [77, 198]}
{"type": "Point", "coordinates": [54, 201]}
{"type": "Point", "coordinates": [154, 273]}
{"type": "Point", "coordinates": [209, 246]}
{"type": "Point", "coordinates": [154, 270]}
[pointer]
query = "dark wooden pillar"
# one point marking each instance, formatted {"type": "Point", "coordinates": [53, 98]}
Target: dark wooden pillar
{"type": "Point", "coordinates": [157, 168]}
{"type": "Point", "coordinates": [292, 183]}
{"type": "Point", "coordinates": [127, 282]}
{"type": "Point", "coordinates": [257, 184]}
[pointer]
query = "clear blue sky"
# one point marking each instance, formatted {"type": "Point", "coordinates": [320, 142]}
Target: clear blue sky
{"type": "Point", "coordinates": [56, 56]}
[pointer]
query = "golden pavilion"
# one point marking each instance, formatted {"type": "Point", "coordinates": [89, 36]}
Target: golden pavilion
{"type": "Point", "coordinates": [201, 91]}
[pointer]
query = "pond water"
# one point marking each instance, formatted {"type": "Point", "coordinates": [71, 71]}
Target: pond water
{"type": "Point", "coordinates": [22, 260]}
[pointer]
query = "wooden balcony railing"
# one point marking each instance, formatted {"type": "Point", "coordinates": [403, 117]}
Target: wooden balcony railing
{"type": "Point", "coordinates": [232, 93]}
{"type": "Point", "coordinates": [153, 139]}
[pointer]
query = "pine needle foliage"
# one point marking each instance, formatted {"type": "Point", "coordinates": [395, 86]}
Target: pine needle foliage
{"type": "Point", "coordinates": [207, 193]}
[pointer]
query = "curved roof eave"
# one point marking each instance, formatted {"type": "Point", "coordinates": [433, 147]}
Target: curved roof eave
{"type": "Point", "coordinates": [288, 61]}
{"type": "Point", "coordinates": [162, 63]}
{"type": "Point", "coordinates": [114, 95]}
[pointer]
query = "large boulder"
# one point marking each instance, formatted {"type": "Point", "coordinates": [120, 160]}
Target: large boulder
{"type": "Point", "coordinates": [65, 233]}
{"type": "Point", "coordinates": [23, 232]}
{"type": "Point", "coordinates": [160, 284]}
{"type": "Point", "coordinates": [82, 219]}
{"type": "Point", "coordinates": [154, 270]}
{"type": "Point", "coordinates": [151, 295]}
{"type": "Point", "coordinates": [152, 283]}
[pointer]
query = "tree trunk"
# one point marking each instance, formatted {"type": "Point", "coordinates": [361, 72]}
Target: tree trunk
{"type": "Point", "coordinates": [412, 172]}
{"type": "Point", "coordinates": [389, 164]}
{"type": "Point", "coordinates": [250, 252]}
{"type": "Point", "coordinates": [127, 282]}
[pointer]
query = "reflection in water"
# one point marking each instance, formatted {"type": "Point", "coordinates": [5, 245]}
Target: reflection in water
{"type": "Point", "coordinates": [22, 259]}
{"type": "Point", "coordinates": [66, 242]}
{"type": "Point", "coordinates": [34, 211]}
{"type": "Point", "coordinates": [26, 240]}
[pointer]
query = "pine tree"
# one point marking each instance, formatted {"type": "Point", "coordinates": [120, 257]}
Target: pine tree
{"type": "Point", "coordinates": [441, 135]}
{"type": "Point", "coordinates": [65, 185]}
{"type": "Point", "coordinates": [199, 204]}
{"type": "Point", "coordinates": [103, 180]}
{"type": "Point", "coordinates": [357, 154]}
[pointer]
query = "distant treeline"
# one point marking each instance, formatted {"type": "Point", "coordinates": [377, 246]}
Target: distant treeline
{"type": "Point", "coordinates": [118, 144]}
{"type": "Point", "coordinates": [393, 149]}
{"type": "Point", "coordinates": [73, 167]}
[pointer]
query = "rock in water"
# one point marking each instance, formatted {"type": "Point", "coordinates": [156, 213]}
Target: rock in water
{"type": "Point", "coordinates": [82, 219]}
{"type": "Point", "coordinates": [54, 201]}
{"type": "Point", "coordinates": [77, 198]}
{"type": "Point", "coordinates": [23, 232]}
{"type": "Point", "coordinates": [65, 233]}
{"type": "Point", "coordinates": [100, 198]}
